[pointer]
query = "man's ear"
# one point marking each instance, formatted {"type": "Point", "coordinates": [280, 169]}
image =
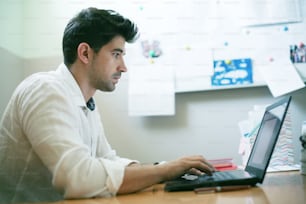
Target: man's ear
{"type": "Point", "coordinates": [84, 52]}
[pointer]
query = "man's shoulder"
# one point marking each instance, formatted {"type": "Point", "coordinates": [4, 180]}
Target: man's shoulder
{"type": "Point", "coordinates": [41, 82]}
{"type": "Point", "coordinates": [40, 77]}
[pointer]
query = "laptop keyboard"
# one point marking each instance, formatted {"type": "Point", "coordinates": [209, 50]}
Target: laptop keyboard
{"type": "Point", "coordinates": [222, 176]}
{"type": "Point", "coordinates": [218, 176]}
{"type": "Point", "coordinates": [190, 182]}
{"type": "Point", "coordinates": [227, 175]}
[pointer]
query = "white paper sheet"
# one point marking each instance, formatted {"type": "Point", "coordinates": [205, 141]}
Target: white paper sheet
{"type": "Point", "coordinates": [266, 12]}
{"type": "Point", "coordinates": [195, 74]}
{"type": "Point", "coordinates": [151, 91]}
{"type": "Point", "coordinates": [280, 75]}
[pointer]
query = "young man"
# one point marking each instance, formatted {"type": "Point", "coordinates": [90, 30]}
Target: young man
{"type": "Point", "coordinates": [52, 142]}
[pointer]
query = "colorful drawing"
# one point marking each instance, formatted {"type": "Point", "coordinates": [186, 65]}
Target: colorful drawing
{"type": "Point", "coordinates": [151, 50]}
{"type": "Point", "coordinates": [232, 72]}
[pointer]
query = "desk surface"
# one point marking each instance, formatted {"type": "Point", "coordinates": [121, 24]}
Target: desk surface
{"type": "Point", "coordinates": [285, 187]}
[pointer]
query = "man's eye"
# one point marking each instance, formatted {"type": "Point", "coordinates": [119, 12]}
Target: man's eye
{"type": "Point", "coordinates": [116, 54]}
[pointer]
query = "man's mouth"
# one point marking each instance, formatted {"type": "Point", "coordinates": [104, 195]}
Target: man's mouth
{"type": "Point", "coordinates": [116, 78]}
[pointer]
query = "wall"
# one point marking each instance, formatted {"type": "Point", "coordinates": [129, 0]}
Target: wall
{"type": "Point", "coordinates": [204, 123]}
{"type": "Point", "coordinates": [200, 126]}
{"type": "Point", "coordinates": [11, 48]}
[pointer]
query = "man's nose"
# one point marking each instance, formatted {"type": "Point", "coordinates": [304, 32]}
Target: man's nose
{"type": "Point", "coordinates": [122, 66]}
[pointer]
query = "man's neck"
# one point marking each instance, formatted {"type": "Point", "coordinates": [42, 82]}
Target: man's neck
{"type": "Point", "coordinates": [80, 77]}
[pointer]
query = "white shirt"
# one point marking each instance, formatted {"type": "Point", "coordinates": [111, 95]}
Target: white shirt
{"type": "Point", "coordinates": [52, 146]}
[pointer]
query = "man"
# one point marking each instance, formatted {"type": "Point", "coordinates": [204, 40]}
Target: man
{"type": "Point", "coordinates": [52, 143]}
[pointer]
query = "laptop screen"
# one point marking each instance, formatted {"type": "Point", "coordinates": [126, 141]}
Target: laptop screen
{"type": "Point", "coordinates": [267, 137]}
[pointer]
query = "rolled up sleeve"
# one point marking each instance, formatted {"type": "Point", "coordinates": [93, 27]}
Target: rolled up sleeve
{"type": "Point", "coordinates": [89, 177]}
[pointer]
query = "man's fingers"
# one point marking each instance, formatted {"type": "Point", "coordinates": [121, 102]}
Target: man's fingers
{"type": "Point", "coordinates": [202, 165]}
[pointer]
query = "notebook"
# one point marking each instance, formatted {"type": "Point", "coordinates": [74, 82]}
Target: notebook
{"type": "Point", "coordinates": [259, 158]}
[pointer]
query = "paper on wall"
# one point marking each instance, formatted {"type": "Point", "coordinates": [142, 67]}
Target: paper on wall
{"type": "Point", "coordinates": [267, 12]}
{"type": "Point", "coordinates": [151, 91]}
{"type": "Point", "coordinates": [281, 76]}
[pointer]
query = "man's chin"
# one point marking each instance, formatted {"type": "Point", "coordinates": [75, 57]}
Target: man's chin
{"type": "Point", "coordinates": [108, 89]}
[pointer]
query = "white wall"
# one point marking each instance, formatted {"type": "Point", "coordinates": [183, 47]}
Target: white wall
{"type": "Point", "coordinates": [11, 48]}
{"type": "Point", "coordinates": [205, 122]}
{"type": "Point", "coordinates": [11, 26]}
{"type": "Point", "coordinates": [44, 23]}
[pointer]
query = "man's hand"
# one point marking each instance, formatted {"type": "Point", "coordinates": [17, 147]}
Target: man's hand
{"type": "Point", "coordinates": [196, 165]}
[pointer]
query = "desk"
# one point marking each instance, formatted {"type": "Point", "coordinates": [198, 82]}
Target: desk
{"type": "Point", "coordinates": [280, 188]}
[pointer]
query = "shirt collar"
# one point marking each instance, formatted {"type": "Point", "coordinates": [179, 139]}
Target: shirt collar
{"type": "Point", "coordinates": [72, 85]}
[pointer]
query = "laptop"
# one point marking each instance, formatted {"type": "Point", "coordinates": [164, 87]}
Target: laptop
{"type": "Point", "coordinates": [258, 161]}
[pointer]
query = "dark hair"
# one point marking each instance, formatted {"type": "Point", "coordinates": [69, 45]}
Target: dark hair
{"type": "Point", "coordinates": [96, 27]}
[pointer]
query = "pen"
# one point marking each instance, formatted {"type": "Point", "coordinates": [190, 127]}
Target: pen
{"type": "Point", "coordinates": [220, 188]}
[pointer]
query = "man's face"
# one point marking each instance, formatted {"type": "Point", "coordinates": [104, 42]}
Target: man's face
{"type": "Point", "coordinates": [107, 65]}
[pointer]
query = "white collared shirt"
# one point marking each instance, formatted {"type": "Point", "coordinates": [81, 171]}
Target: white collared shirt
{"type": "Point", "coordinates": [52, 146]}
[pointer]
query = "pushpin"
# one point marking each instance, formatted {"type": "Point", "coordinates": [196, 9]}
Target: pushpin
{"type": "Point", "coordinates": [152, 53]}
{"type": "Point", "coordinates": [188, 47]}
{"type": "Point", "coordinates": [225, 43]}
{"type": "Point", "coordinates": [286, 28]}
{"type": "Point", "coordinates": [228, 61]}
{"type": "Point", "coordinates": [271, 59]}
{"type": "Point", "coordinates": [141, 8]}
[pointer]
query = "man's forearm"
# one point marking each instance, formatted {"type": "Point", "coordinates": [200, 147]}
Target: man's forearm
{"type": "Point", "coordinates": [138, 177]}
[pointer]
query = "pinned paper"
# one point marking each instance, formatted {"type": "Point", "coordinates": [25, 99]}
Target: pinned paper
{"type": "Point", "coordinates": [280, 75]}
{"type": "Point", "coordinates": [151, 91]}
{"type": "Point", "coordinates": [232, 72]}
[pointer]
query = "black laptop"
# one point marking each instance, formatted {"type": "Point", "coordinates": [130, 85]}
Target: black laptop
{"type": "Point", "coordinates": [258, 162]}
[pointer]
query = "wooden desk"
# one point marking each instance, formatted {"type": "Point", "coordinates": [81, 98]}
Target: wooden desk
{"type": "Point", "coordinates": [280, 188]}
